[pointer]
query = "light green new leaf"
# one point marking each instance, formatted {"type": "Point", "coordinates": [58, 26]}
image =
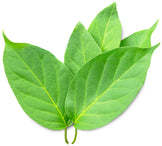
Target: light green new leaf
{"type": "Point", "coordinates": [39, 81]}
{"type": "Point", "coordinates": [105, 86]}
{"type": "Point", "coordinates": [106, 28]}
{"type": "Point", "coordinates": [80, 49]}
{"type": "Point", "coordinates": [139, 39]}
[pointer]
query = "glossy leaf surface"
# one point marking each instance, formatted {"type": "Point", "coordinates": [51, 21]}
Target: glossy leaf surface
{"type": "Point", "coordinates": [105, 86]}
{"type": "Point", "coordinates": [80, 49]}
{"type": "Point", "coordinates": [106, 28]}
{"type": "Point", "coordinates": [39, 81]}
{"type": "Point", "coordinates": [139, 39]}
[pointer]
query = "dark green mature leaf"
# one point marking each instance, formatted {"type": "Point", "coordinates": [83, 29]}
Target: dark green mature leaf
{"type": "Point", "coordinates": [139, 39]}
{"type": "Point", "coordinates": [80, 49]}
{"type": "Point", "coordinates": [105, 86]}
{"type": "Point", "coordinates": [39, 81]}
{"type": "Point", "coordinates": [106, 28]}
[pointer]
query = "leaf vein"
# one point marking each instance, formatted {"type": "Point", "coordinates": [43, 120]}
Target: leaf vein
{"type": "Point", "coordinates": [105, 91]}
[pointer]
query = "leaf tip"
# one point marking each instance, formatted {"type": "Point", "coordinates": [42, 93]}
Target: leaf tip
{"type": "Point", "coordinates": [114, 3]}
{"type": "Point", "coordinates": [157, 21]}
{"type": "Point", "coordinates": [5, 37]}
{"type": "Point", "coordinates": [154, 26]}
{"type": "Point", "coordinates": [112, 6]}
{"type": "Point", "coordinates": [79, 26]}
{"type": "Point", "coordinates": [154, 47]}
{"type": "Point", "coordinates": [79, 23]}
{"type": "Point", "coordinates": [158, 45]}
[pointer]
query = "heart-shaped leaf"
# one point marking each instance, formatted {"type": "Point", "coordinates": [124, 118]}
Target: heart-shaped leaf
{"type": "Point", "coordinates": [104, 87]}
{"type": "Point", "coordinates": [139, 39]}
{"type": "Point", "coordinates": [39, 81]}
{"type": "Point", "coordinates": [106, 28]}
{"type": "Point", "coordinates": [80, 49]}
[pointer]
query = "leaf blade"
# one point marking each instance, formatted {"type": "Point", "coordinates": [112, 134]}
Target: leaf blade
{"type": "Point", "coordinates": [104, 102]}
{"type": "Point", "coordinates": [80, 49]}
{"type": "Point", "coordinates": [140, 38]}
{"type": "Point", "coordinates": [31, 71]}
{"type": "Point", "coordinates": [106, 28]}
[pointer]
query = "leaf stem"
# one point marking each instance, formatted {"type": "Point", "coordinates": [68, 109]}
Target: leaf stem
{"type": "Point", "coordinates": [75, 137]}
{"type": "Point", "coordinates": [66, 136]}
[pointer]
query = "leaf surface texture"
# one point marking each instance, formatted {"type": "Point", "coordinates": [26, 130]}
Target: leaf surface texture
{"type": "Point", "coordinates": [105, 86]}
{"type": "Point", "coordinates": [80, 49]}
{"type": "Point", "coordinates": [139, 39]}
{"type": "Point", "coordinates": [39, 81]}
{"type": "Point", "coordinates": [106, 29]}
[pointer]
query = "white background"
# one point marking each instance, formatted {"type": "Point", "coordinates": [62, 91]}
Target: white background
{"type": "Point", "coordinates": [48, 24]}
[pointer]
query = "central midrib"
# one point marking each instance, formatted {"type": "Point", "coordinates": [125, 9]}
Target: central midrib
{"type": "Point", "coordinates": [43, 88]}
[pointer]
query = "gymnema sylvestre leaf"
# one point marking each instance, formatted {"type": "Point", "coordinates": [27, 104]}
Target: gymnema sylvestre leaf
{"type": "Point", "coordinates": [80, 49]}
{"type": "Point", "coordinates": [105, 86]}
{"type": "Point", "coordinates": [39, 81]}
{"type": "Point", "coordinates": [139, 39]}
{"type": "Point", "coordinates": [106, 28]}
{"type": "Point", "coordinates": [100, 77]}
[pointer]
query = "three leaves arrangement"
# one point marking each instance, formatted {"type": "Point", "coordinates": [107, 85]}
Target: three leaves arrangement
{"type": "Point", "coordinates": [100, 76]}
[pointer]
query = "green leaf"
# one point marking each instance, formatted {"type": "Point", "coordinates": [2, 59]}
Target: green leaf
{"type": "Point", "coordinates": [104, 87]}
{"type": "Point", "coordinates": [80, 49]}
{"type": "Point", "coordinates": [139, 39]}
{"type": "Point", "coordinates": [83, 46]}
{"type": "Point", "coordinates": [39, 81]}
{"type": "Point", "coordinates": [106, 28]}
